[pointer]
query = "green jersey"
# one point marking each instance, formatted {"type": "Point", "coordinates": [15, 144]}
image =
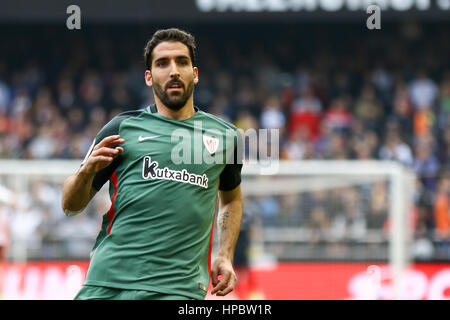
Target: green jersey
{"type": "Point", "coordinates": [157, 234]}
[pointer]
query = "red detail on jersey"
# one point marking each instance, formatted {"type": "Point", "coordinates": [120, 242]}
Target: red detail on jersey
{"type": "Point", "coordinates": [211, 235]}
{"type": "Point", "coordinates": [210, 241]}
{"type": "Point", "coordinates": [111, 209]}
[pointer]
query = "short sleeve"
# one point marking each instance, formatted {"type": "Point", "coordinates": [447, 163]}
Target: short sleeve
{"type": "Point", "coordinates": [230, 177]}
{"type": "Point", "coordinates": [111, 128]}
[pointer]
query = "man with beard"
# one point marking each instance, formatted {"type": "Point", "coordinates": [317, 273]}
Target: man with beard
{"type": "Point", "coordinates": [155, 240]}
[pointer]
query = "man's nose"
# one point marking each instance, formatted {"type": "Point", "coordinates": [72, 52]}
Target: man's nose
{"type": "Point", "coordinates": [174, 73]}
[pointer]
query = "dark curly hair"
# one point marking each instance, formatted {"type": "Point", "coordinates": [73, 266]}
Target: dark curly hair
{"type": "Point", "coordinates": [172, 34]}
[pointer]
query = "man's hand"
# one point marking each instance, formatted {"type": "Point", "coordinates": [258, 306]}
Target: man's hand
{"type": "Point", "coordinates": [103, 154]}
{"type": "Point", "coordinates": [77, 189]}
{"type": "Point", "coordinates": [222, 266]}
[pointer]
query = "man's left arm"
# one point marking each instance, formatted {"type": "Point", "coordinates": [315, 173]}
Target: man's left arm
{"type": "Point", "coordinates": [228, 226]}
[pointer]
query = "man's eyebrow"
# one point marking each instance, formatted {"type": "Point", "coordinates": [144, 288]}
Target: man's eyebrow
{"type": "Point", "coordinates": [177, 57]}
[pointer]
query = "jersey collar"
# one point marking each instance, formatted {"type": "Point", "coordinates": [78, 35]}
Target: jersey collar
{"type": "Point", "coordinates": [153, 108]}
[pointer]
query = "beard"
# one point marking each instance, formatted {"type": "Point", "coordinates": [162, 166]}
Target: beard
{"type": "Point", "coordinates": [174, 101]}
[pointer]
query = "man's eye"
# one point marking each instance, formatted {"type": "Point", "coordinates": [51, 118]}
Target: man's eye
{"type": "Point", "coordinates": [161, 64]}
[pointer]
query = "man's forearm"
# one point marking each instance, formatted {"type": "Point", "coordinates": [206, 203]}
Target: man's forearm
{"type": "Point", "coordinates": [229, 224]}
{"type": "Point", "coordinates": [77, 192]}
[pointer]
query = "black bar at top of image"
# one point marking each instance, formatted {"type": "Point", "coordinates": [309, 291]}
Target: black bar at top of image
{"type": "Point", "coordinates": [155, 11]}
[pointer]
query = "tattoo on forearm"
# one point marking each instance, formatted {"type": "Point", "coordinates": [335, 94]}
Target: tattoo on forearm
{"type": "Point", "coordinates": [223, 219]}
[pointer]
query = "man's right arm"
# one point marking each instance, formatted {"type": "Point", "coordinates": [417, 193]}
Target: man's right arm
{"type": "Point", "coordinates": [78, 188]}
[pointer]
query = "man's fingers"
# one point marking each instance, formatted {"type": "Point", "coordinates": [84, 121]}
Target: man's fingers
{"type": "Point", "coordinates": [214, 276]}
{"type": "Point", "coordinates": [223, 283]}
{"type": "Point", "coordinates": [226, 291]}
{"type": "Point", "coordinates": [105, 152]}
{"type": "Point", "coordinates": [225, 288]}
{"type": "Point", "coordinates": [220, 286]}
{"type": "Point", "coordinates": [229, 288]}
{"type": "Point", "coordinates": [103, 159]}
{"type": "Point", "coordinates": [110, 141]}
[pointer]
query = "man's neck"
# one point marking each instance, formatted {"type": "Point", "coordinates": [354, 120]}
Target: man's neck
{"type": "Point", "coordinates": [184, 113]}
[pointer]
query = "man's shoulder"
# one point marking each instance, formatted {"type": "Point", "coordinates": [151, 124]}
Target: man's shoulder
{"type": "Point", "coordinates": [113, 126]}
{"type": "Point", "coordinates": [218, 121]}
{"type": "Point", "coordinates": [129, 114]}
{"type": "Point", "coordinates": [118, 118]}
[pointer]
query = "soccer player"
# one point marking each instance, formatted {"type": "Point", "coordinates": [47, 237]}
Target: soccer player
{"type": "Point", "coordinates": [155, 240]}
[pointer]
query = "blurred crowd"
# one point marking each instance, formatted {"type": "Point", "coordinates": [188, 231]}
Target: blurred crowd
{"type": "Point", "coordinates": [332, 91]}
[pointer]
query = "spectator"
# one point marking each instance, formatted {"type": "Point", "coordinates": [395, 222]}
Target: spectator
{"type": "Point", "coordinates": [426, 165]}
{"type": "Point", "coordinates": [424, 120]}
{"type": "Point", "coordinates": [43, 146]}
{"type": "Point", "coordinates": [338, 117]}
{"type": "Point", "coordinates": [6, 123]}
{"type": "Point", "coordinates": [444, 146]}
{"type": "Point", "coordinates": [444, 104]}
{"type": "Point", "coordinates": [395, 149]}
{"type": "Point", "coordinates": [305, 114]}
{"type": "Point", "coordinates": [91, 90]}
{"type": "Point", "coordinates": [442, 208]}
{"type": "Point", "coordinates": [402, 114]}
{"type": "Point", "coordinates": [378, 211]}
{"type": "Point", "coordinates": [350, 223]}
{"type": "Point", "coordinates": [76, 118]}
{"type": "Point", "coordinates": [272, 117]}
{"type": "Point", "coordinates": [319, 225]}
{"type": "Point", "coordinates": [66, 93]}
{"type": "Point", "coordinates": [295, 146]}
{"type": "Point", "coordinates": [5, 97]}
{"type": "Point", "coordinates": [338, 148]}
{"type": "Point", "coordinates": [424, 91]}
{"type": "Point", "coordinates": [383, 82]}
{"type": "Point", "coordinates": [424, 226]}
{"type": "Point", "coordinates": [369, 110]}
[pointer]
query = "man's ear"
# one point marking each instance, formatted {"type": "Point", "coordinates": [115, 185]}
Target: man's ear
{"type": "Point", "coordinates": [195, 75]}
{"type": "Point", "coordinates": [148, 78]}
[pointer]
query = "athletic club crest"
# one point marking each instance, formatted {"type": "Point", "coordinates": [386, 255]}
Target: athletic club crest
{"type": "Point", "coordinates": [210, 143]}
